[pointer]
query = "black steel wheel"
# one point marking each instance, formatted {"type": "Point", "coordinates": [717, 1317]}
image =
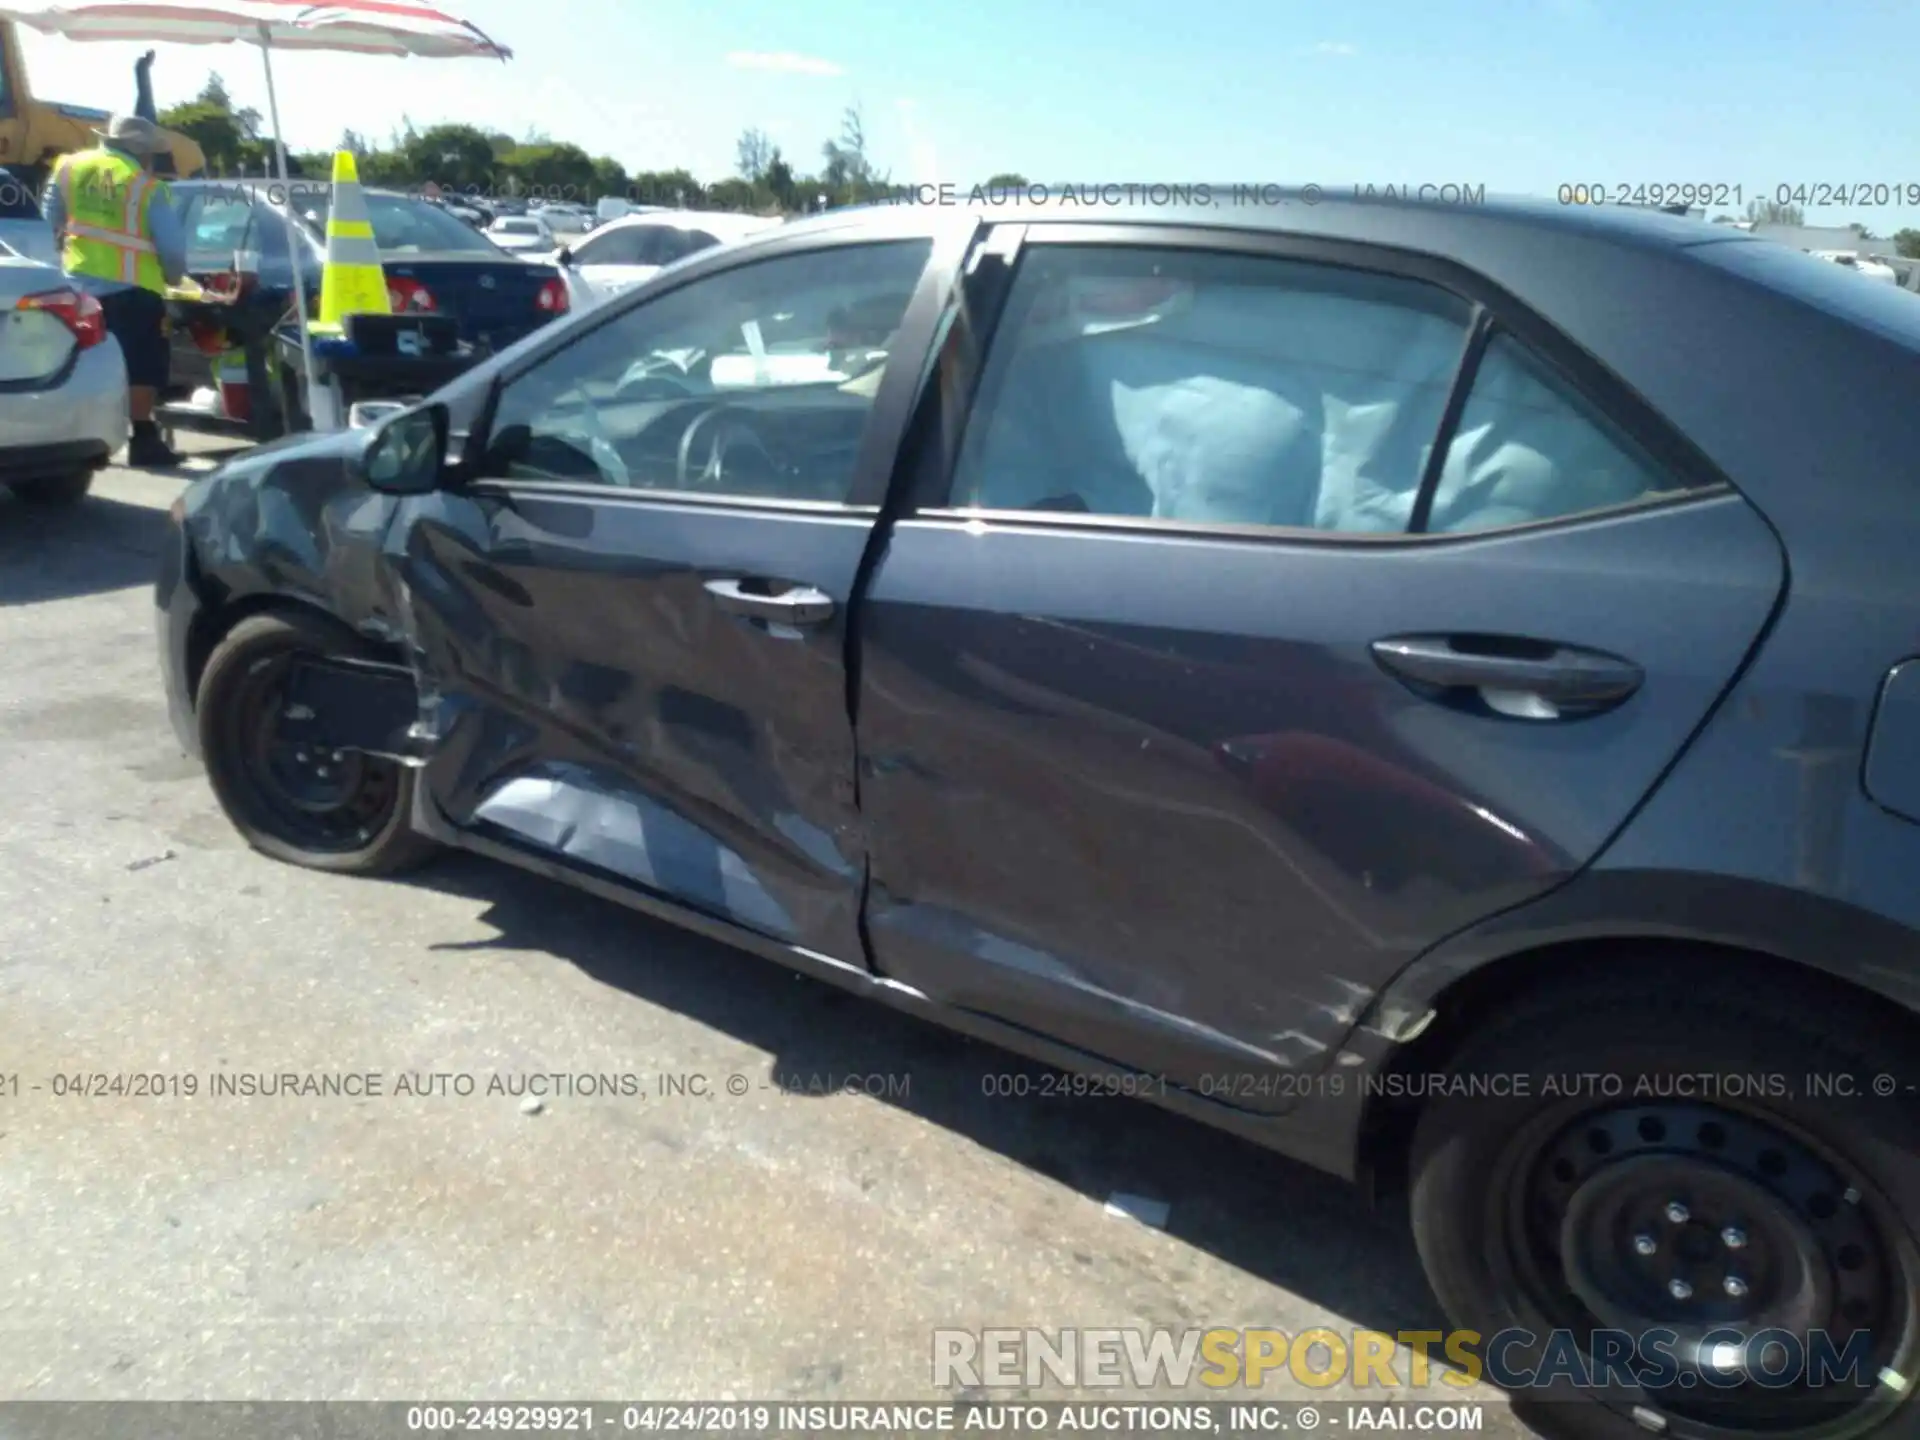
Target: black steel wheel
{"type": "Point", "coordinates": [327, 810]}
{"type": "Point", "coordinates": [1702, 1219]}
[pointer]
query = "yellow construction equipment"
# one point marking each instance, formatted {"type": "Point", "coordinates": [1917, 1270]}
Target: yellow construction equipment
{"type": "Point", "coordinates": [35, 133]}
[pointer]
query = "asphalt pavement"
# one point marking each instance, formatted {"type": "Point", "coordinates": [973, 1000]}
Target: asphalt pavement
{"type": "Point", "coordinates": [805, 1187]}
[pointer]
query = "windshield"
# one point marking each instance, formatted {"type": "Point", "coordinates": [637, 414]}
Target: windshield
{"type": "Point", "coordinates": [402, 225]}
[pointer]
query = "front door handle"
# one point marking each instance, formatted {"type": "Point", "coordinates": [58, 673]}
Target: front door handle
{"type": "Point", "coordinates": [1522, 678]}
{"type": "Point", "coordinates": [796, 605]}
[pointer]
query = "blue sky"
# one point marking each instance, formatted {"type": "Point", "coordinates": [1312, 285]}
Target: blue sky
{"type": "Point", "coordinates": [1516, 95]}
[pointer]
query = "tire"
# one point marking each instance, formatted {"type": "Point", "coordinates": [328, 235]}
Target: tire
{"type": "Point", "coordinates": [1544, 1212]}
{"type": "Point", "coordinates": [259, 786]}
{"type": "Point", "coordinates": [68, 489]}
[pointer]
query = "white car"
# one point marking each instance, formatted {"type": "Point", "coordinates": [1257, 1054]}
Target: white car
{"type": "Point", "coordinates": [1862, 265]}
{"type": "Point", "coordinates": [523, 235]}
{"type": "Point", "coordinates": [63, 385]}
{"type": "Point", "coordinates": [568, 219]}
{"type": "Point", "coordinates": [624, 253]}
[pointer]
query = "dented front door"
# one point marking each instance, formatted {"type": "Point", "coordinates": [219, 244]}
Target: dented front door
{"type": "Point", "coordinates": [634, 661]}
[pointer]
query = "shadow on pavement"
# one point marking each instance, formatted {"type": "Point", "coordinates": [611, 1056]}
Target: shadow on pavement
{"type": "Point", "coordinates": [59, 552]}
{"type": "Point", "coordinates": [1277, 1220]}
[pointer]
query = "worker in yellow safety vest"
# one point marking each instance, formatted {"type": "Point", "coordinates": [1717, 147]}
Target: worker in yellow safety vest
{"type": "Point", "coordinates": [122, 241]}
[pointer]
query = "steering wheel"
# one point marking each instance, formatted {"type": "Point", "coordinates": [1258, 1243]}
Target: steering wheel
{"type": "Point", "coordinates": [722, 449]}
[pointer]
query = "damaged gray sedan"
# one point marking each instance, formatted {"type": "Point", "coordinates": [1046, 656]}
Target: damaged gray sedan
{"type": "Point", "coordinates": [1331, 669]}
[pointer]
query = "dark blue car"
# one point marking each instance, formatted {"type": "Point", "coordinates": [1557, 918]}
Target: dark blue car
{"type": "Point", "coordinates": [1432, 689]}
{"type": "Point", "coordinates": [434, 262]}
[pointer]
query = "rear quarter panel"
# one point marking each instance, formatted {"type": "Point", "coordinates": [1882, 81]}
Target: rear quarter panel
{"type": "Point", "coordinates": [1763, 836]}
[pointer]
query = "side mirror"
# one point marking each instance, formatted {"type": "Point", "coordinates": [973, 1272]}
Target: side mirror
{"type": "Point", "coordinates": [405, 455]}
{"type": "Point", "coordinates": [563, 256]}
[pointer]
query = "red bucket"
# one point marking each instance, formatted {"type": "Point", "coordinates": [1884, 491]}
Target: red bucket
{"type": "Point", "coordinates": [230, 373]}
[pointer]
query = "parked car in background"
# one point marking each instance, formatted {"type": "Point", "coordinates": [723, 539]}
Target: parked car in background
{"type": "Point", "coordinates": [1432, 689]}
{"type": "Point", "coordinates": [470, 212]}
{"type": "Point", "coordinates": [566, 218]}
{"type": "Point", "coordinates": [21, 228]}
{"type": "Point", "coordinates": [523, 235]}
{"type": "Point", "coordinates": [614, 207]}
{"type": "Point", "coordinates": [433, 262]}
{"type": "Point", "coordinates": [1866, 266]}
{"type": "Point", "coordinates": [627, 252]}
{"type": "Point", "coordinates": [63, 385]}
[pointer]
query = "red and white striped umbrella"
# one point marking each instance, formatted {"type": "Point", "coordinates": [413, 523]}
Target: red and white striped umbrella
{"type": "Point", "coordinates": [367, 27]}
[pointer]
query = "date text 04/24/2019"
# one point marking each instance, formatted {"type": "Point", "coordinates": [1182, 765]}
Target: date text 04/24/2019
{"type": "Point", "coordinates": [1722, 195]}
{"type": "Point", "coordinates": [939, 1417]}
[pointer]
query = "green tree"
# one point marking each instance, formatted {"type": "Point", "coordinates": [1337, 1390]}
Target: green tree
{"type": "Point", "coordinates": [1772, 212]}
{"type": "Point", "coordinates": [385, 167]}
{"type": "Point", "coordinates": [558, 172]}
{"type": "Point", "coordinates": [454, 157]}
{"type": "Point", "coordinates": [849, 176]}
{"type": "Point", "coordinates": [675, 188]}
{"type": "Point", "coordinates": [1907, 243]}
{"type": "Point", "coordinates": [610, 178]}
{"type": "Point", "coordinates": [753, 152]}
{"type": "Point", "coordinates": [1008, 181]}
{"type": "Point", "coordinates": [781, 187]}
{"type": "Point", "coordinates": [214, 93]}
{"type": "Point", "coordinates": [734, 193]}
{"type": "Point", "coordinates": [214, 130]}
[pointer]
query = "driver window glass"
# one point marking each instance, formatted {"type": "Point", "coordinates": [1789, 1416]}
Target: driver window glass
{"type": "Point", "coordinates": [754, 382]}
{"type": "Point", "coordinates": [655, 245]}
{"type": "Point", "coordinates": [221, 226]}
{"type": "Point", "coordinates": [617, 247]}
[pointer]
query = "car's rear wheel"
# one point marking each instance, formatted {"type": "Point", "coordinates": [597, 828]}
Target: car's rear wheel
{"type": "Point", "coordinates": [68, 489]}
{"type": "Point", "coordinates": [328, 810]}
{"type": "Point", "coordinates": [1718, 1189]}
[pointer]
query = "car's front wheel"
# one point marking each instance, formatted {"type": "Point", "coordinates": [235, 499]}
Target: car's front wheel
{"type": "Point", "coordinates": [68, 489]}
{"type": "Point", "coordinates": [1672, 1204]}
{"type": "Point", "coordinates": [325, 809]}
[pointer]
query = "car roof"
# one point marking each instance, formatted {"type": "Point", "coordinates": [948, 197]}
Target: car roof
{"type": "Point", "coordinates": [1506, 238]}
{"type": "Point", "coordinates": [1353, 212]}
{"type": "Point", "coordinates": [714, 222]}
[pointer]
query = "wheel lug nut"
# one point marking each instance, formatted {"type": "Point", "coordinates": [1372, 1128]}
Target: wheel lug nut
{"type": "Point", "coordinates": [1645, 1245]}
{"type": "Point", "coordinates": [1735, 1287]}
{"type": "Point", "coordinates": [1679, 1289]}
{"type": "Point", "coordinates": [1677, 1213]}
{"type": "Point", "coordinates": [1734, 1238]}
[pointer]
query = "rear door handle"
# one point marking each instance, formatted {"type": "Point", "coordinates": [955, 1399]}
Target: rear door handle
{"type": "Point", "coordinates": [797, 605]}
{"type": "Point", "coordinates": [1524, 678]}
